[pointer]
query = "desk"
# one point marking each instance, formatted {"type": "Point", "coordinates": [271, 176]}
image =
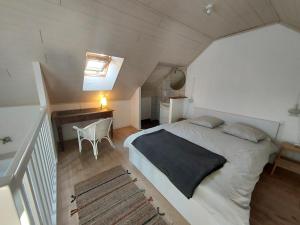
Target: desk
{"type": "Point", "coordinates": [77, 115]}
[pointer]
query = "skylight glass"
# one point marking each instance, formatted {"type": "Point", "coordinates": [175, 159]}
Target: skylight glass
{"type": "Point", "coordinates": [101, 72]}
{"type": "Point", "coordinates": [96, 64]}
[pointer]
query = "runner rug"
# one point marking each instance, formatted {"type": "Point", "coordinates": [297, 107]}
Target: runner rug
{"type": "Point", "coordinates": [112, 198]}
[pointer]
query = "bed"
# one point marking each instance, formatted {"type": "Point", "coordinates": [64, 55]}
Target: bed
{"type": "Point", "coordinates": [223, 197]}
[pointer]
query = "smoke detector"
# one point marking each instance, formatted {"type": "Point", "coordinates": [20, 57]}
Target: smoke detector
{"type": "Point", "coordinates": [209, 9]}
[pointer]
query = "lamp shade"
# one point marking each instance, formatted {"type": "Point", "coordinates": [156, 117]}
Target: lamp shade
{"type": "Point", "coordinates": [103, 101]}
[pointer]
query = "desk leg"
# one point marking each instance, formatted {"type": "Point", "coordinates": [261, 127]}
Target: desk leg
{"type": "Point", "coordinates": [60, 138]}
{"type": "Point", "coordinates": [273, 169]}
{"type": "Point", "coordinates": [111, 131]}
{"type": "Point", "coordinates": [276, 160]}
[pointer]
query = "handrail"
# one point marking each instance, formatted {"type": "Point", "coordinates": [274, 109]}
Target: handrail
{"type": "Point", "coordinates": [22, 156]}
{"type": "Point", "coordinates": [31, 178]}
{"type": "Point", "coordinates": [29, 183]}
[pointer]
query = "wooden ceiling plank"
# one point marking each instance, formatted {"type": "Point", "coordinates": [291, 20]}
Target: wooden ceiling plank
{"type": "Point", "coordinates": [287, 11]}
{"type": "Point", "coordinates": [133, 9]}
{"type": "Point", "coordinates": [228, 16]}
{"type": "Point", "coordinates": [265, 10]}
{"type": "Point", "coordinates": [247, 12]}
{"type": "Point", "coordinates": [145, 32]}
{"type": "Point", "coordinates": [184, 12]}
{"type": "Point", "coordinates": [79, 32]}
{"type": "Point", "coordinates": [133, 24]}
{"type": "Point", "coordinates": [56, 2]}
{"type": "Point", "coordinates": [67, 18]}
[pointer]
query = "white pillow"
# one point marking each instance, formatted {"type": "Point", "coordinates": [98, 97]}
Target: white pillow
{"type": "Point", "coordinates": [245, 131]}
{"type": "Point", "coordinates": [207, 121]}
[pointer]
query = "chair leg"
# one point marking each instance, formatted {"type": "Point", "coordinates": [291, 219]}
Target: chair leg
{"type": "Point", "coordinates": [80, 145]}
{"type": "Point", "coordinates": [110, 142]}
{"type": "Point", "coordinates": [95, 149]}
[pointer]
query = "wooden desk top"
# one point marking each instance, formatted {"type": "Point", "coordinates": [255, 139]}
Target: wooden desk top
{"type": "Point", "coordinates": [77, 112]}
{"type": "Point", "coordinates": [290, 147]}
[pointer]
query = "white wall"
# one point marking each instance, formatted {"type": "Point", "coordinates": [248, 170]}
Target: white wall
{"type": "Point", "coordinates": [121, 115]}
{"type": "Point", "coordinates": [256, 73]}
{"type": "Point", "coordinates": [146, 103]}
{"type": "Point", "coordinates": [17, 123]}
{"type": "Point", "coordinates": [135, 109]}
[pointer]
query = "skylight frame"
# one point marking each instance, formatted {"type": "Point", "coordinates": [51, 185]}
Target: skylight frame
{"type": "Point", "coordinates": [104, 83]}
{"type": "Point", "coordinates": [93, 58]}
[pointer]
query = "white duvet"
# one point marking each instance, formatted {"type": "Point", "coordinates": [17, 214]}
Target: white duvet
{"type": "Point", "coordinates": [226, 192]}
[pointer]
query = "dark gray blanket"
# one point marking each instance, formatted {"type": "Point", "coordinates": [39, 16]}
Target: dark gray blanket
{"type": "Point", "coordinates": [184, 163]}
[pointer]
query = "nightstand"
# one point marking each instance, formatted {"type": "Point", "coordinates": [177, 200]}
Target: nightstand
{"type": "Point", "coordinates": [284, 162]}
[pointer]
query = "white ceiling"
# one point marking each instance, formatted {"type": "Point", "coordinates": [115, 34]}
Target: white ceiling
{"type": "Point", "coordinates": [145, 32]}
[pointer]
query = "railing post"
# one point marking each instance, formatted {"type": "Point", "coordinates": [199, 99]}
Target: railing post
{"type": "Point", "coordinates": [7, 205]}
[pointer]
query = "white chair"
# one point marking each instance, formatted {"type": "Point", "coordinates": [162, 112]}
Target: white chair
{"type": "Point", "coordinates": [94, 133]}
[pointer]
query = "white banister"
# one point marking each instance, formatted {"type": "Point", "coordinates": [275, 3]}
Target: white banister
{"type": "Point", "coordinates": [31, 180]}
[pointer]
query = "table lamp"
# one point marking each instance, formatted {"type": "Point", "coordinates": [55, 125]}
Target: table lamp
{"type": "Point", "coordinates": [103, 102]}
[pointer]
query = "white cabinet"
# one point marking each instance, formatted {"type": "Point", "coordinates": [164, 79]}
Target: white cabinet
{"type": "Point", "coordinates": [164, 113]}
{"type": "Point", "coordinates": [171, 112]}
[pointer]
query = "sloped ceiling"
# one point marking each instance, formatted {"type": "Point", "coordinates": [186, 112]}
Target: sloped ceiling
{"type": "Point", "coordinates": [154, 80]}
{"type": "Point", "coordinates": [145, 32]}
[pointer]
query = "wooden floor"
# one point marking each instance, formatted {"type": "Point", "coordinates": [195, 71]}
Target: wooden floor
{"type": "Point", "coordinates": [73, 168]}
{"type": "Point", "coordinates": [276, 199]}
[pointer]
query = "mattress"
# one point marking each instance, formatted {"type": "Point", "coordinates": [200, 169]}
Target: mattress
{"type": "Point", "coordinates": [226, 193]}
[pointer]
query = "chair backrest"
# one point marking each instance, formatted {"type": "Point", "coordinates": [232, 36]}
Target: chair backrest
{"type": "Point", "coordinates": [103, 127]}
{"type": "Point", "coordinates": [99, 129]}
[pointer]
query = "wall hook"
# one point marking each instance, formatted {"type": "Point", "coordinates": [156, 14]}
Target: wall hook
{"type": "Point", "coordinates": [6, 140]}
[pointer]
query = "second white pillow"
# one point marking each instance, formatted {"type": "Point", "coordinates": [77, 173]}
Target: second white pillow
{"type": "Point", "coordinates": [207, 121]}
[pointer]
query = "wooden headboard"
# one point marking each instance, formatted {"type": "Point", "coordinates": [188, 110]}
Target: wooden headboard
{"type": "Point", "coordinates": [268, 126]}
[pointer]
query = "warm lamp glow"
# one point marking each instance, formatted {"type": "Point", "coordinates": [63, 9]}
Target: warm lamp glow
{"type": "Point", "coordinates": [103, 102]}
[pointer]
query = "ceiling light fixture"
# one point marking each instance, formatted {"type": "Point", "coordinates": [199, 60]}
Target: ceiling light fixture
{"type": "Point", "coordinates": [209, 9]}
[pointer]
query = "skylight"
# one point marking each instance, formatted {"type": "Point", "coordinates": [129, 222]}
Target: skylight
{"type": "Point", "coordinates": [96, 64]}
{"type": "Point", "coordinates": [101, 71]}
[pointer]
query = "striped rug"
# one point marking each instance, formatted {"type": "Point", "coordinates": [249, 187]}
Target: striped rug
{"type": "Point", "coordinates": [112, 198]}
